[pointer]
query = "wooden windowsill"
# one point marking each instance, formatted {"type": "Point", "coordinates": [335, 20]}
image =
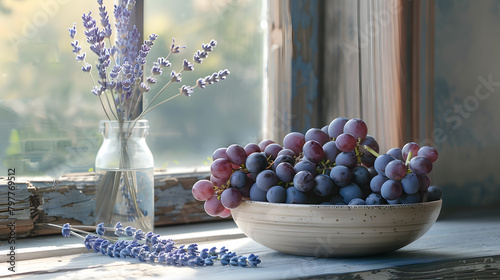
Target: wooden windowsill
{"type": "Point", "coordinates": [460, 245]}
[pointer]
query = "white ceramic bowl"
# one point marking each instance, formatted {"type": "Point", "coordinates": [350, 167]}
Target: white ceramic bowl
{"type": "Point", "coordinates": [335, 230]}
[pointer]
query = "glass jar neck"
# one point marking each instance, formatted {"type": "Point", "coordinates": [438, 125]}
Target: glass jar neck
{"type": "Point", "coordinates": [115, 129]}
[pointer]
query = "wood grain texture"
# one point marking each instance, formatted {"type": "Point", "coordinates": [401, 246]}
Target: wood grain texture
{"type": "Point", "coordinates": [72, 200]}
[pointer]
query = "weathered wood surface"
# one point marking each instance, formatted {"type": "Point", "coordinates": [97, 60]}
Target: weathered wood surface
{"type": "Point", "coordinates": [459, 247]}
{"type": "Point", "coordinates": [72, 200]}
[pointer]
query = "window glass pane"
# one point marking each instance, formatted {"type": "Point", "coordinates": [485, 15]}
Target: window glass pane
{"type": "Point", "coordinates": [49, 118]}
{"type": "Point", "coordinates": [185, 131]}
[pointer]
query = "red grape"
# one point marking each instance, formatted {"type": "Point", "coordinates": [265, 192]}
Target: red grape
{"type": "Point", "coordinates": [203, 190]}
{"type": "Point", "coordinates": [357, 128]}
{"type": "Point", "coordinates": [213, 206]}
{"type": "Point", "coordinates": [221, 168]}
{"type": "Point", "coordinates": [225, 213]}
{"type": "Point", "coordinates": [345, 142]}
{"type": "Point", "coordinates": [313, 151]}
{"type": "Point", "coordinates": [264, 143]}
{"type": "Point", "coordinates": [219, 153]}
{"type": "Point", "coordinates": [216, 181]}
{"type": "Point", "coordinates": [336, 127]}
{"type": "Point", "coordinates": [252, 148]}
{"type": "Point", "coordinates": [413, 147]}
{"type": "Point", "coordinates": [428, 152]}
{"type": "Point", "coordinates": [294, 141]}
{"type": "Point", "coordinates": [396, 170]}
{"type": "Point", "coordinates": [272, 150]}
{"type": "Point", "coordinates": [420, 165]}
{"type": "Point", "coordinates": [317, 135]}
{"type": "Point", "coordinates": [236, 154]}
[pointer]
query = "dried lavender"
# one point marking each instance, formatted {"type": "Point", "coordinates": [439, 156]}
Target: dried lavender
{"type": "Point", "coordinates": [120, 66]}
{"type": "Point", "coordinates": [151, 248]}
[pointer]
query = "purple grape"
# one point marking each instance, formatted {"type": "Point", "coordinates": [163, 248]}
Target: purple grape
{"type": "Point", "coordinates": [287, 152]}
{"type": "Point", "coordinates": [306, 165]}
{"type": "Point", "coordinates": [420, 165]}
{"type": "Point", "coordinates": [266, 180]}
{"type": "Point", "coordinates": [391, 190]}
{"type": "Point", "coordinates": [325, 185]}
{"type": "Point", "coordinates": [264, 143]}
{"type": "Point", "coordinates": [396, 153]}
{"type": "Point", "coordinates": [357, 128]}
{"type": "Point", "coordinates": [256, 163]}
{"type": "Point", "coordinates": [396, 170]}
{"type": "Point", "coordinates": [435, 193]}
{"type": "Point", "coordinates": [347, 159]}
{"type": "Point", "coordinates": [239, 179]}
{"type": "Point", "coordinates": [377, 182]}
{"type": "Point", "coordinates": [272, 150]}
{"type": "Point", "coordinates": [368, 160]}
{"type": "Point", "coordinates": [375, 199]}
{"type": "Point", "coordinates": [410, 183]}
{"type": "Point", "coordinates": [394, 201]}
{"type": "Point", "coordinates": [331, 151]}
{"type": "Point", "coordinates": [357, 201]}
{"type": "Point", "coordinates": [294, 141]}
{"type": "Point", "coordinates": [256, 194]}
{"type": "Point", "coordinates": [230, 198]}
{"type": "Point", "coordinates": [360, 176]}
{"type": "Point", "coordinates": [285, 172]}
{"type": "Point", "coordinates": [381, 162]}
{"type": "Point", "coordinates": [410, 198]}
{"type": "Point", "coordinates": [245, 191]}
{"type": "Point", "coordinates": [317, 135]}
{"type": "Point", "coordinates": [219, 153]}
{"type": "Point", "coordinates": [370, 142]}
{"type": "Point", "coordinates": [313, 151]}
{"type": "Point", "coordinates": [236, 154]}
{"type": "Point", "coordinates": [341, 175]}
{"type": "Point", "coordinates": [252, 148]}
{"type": "Point", "coordinates": [221, 168]}
{"type": "Point", "coordinates": [325, 129]}
{"type": "Point", "coordinates": [428, 152]}
{"type": "Point", "coordinates": [276, 194]}
{"type": "Point", "coordinates": [294, 196]}
{"type": "Point", "coordinates": [303, 181]}
{"type": "Point", "coordinates": [280, 159]}
{"type": "Point", "coordinates": [345, 142]}
{"type": "Point", "coordinates": [372, 171]}
{"type": "Point", "coordinates": [425, 182]}
{"type": "Point", "coordinates": [410, 147]}
{"type": "Point", "coordinates": [350, 192]}
{"type": "Point", "coordinates": [336, 127]}
{"type": "Point", "coordinates": [337, 200]}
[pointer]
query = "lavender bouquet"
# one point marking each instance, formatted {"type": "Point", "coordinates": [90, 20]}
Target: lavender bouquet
{"type": "Point", "coordinates": [120, 85]}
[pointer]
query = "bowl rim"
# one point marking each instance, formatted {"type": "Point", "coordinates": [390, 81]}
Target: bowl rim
{"type": "Point", "coordinates": [320, 206]}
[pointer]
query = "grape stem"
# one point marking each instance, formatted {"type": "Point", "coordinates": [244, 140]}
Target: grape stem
{"type": "Point", "coordinates": [372, 151]}
{"type": "Point", "coordinates": [408, 158]}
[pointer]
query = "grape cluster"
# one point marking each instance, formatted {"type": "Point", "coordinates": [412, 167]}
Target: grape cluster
{"type": "Point", "coordinates": [338, 164]}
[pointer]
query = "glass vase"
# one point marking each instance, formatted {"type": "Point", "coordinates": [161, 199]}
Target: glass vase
{"type": "Point", "coordinates": [125, 183]}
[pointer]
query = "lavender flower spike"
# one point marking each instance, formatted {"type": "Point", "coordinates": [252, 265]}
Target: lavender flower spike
{"type": "Point", "coordinates": [66, 230]}
{"type": "Point", "coordinates": [72, 31]}
{"type": "Point", "coordinates": [186, 90]}
{"type": "Point", "coordinates": [175, 77]}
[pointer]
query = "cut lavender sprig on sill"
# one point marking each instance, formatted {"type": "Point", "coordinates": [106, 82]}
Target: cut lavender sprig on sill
{"type": "Point", "coordinates": [151, 248]}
